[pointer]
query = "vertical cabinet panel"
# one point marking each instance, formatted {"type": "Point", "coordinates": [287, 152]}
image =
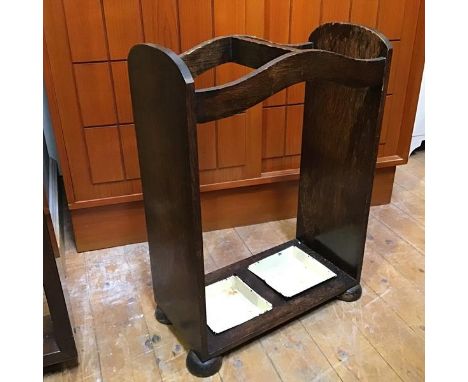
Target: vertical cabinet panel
{"type": "Point", "coordinates": [335, 10]}
{"type": "Point", "coordinates": [160, 23]}
{"type": "Point", "coordinates": [122, 91]}
{"type": "Point", "coordinates": [229, 18]}
{"type": "Point", "coordinates": [391, 16]}
{"type": "Point", "coordinates": [386, 119]}
{"type": "Point", "coordinates": [206, 138]}
{"type": "Point", "coordinates": [394, 67]}
{"type": "Point", "coordinates": [231, 141]}
{"type": "Point", "coordinates": [305, 17]}
{"type": "Point", "coordinates": [123, 23]}
{"type": "Point", "coordinates": [293, 141]}
{"type": "Point", "coordinates": [104, 155]}
{"type": "Point", "coordinates": [86, 32]}
{"type": "Point", "coordinates": [95, 94]}
{"type": "Point", "coordinates": [130, 151]}
{"type": "Point", "coordinates": [364, 12]}
{"type": "Point", "coordinates": [196, 26]}
{"type": "Point", "coordinates": [274, 120]}
{"type": "Point", "coordinates": [277, 16]}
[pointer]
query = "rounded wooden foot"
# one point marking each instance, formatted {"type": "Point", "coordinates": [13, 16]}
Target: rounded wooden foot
{"type": "Point", "coordinates": [161, 316]}
{"type": "Point", "coordinates": [352, 294]}
{"type": "Point", "coordinates": [202, 369]}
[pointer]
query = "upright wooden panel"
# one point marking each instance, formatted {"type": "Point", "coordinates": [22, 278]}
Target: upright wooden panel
{"type": "Point", "coordinates": [364, 12]}
{"type": "Point", "coordinates": [166, 136]}
{"type": "Point", "coordinates": [274, 124]}
{"type": "Point", "coordinates": [305, 17]}
{"type": "Point", "coordinates": [129, 151]}
{"type": "Point", "coordinates": [339, 154]}
{"type": "Point", "coordinates": [160, 22]}
{"type": "Point", "coordinates": [95, 94]}
{"type": "Point", "coordinates": [231, 141]}
{"type": "Point", "coordinates": [122, 91]}
{"type": "Point", "coordinates": [104, 154]}
{"type": "Point", "coordinates": [293, 140]}
{"type": "Point", "coordinates": [335, 10]}
{"type": "Point", "coordinates": [86, 31]}
{"type": "Point", "coordinates": [124, 27]}
{"type": "Point", "coordinates": [391, 16]}
{"type": "Point", "coordinates": [277, 16]}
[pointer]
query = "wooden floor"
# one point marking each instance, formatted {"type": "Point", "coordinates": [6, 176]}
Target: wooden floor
{"type": "Point", "coordinates": [378, 338]}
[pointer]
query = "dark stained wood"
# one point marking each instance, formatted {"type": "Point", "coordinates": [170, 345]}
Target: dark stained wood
{"type": "Point", "coordinates": [249, 51]}
{"type": "Point", "coordinates": [339, 151]}
{"type": "Point", "coordinates": [284, 309]}
{"type": "Point", "coordinates": [162, 96]}
{"type": "Point", "coordinates": [58, 341]}
{"type": "Point", "coordinates": [288, 69]}
{"type": "Point", "coordinates": [346, 78]}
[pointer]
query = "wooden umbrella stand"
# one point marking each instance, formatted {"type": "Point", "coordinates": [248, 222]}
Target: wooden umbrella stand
{"type": "Point", "coordinates": [346, 69]}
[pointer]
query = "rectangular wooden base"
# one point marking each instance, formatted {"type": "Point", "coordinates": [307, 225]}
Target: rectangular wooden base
{"type": "Point", "coordinates": [284, 309]}
{"type": "Point", "coordinates": [124, 223]}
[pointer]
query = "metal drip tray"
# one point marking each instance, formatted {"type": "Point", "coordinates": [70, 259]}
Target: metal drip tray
{"type": "Point", "coordinates": [291, 271]}
{"type": "Point", "coordinates": [231, 302]}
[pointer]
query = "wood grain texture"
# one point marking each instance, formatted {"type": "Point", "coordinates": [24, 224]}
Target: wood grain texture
{"type": "Point", "coordinates": [392, 86]}
{"type": "Point", "coordinates": [373, 339]}
{"type": "Point", "coordinates": [293, 134]}
{"type": "Point", "coordinates": [165, 19]}
{"type": "Point", "coordinates": [95, 94]}
{"type": "Point", "coordinates": [391, 15]}
{"type": "Point", "coordinates": [386, 118]}
{"type": "Point", "coordinates": [86, 31]}
{"type": "Point", "coordinates": [277, 16]}
{"type": "Point", "coordinates": [206, 138]}
{"type": "Point", "coordinates": [160, 23]}
{"type": "Point", "coordinates": [335, 115]}
{"type": "Point", "coordinates": [58, 342]}
{"type": "Point", "coordinates": [291, 68]}
{"type": "Point", "coordinates": [335, 10]}
{"type": "Point", "coordinates": [124, 222]}
{"type": "Point", "coordinates": [104, 154]}
{"type": "Point", "coordinates": [162, 92]}
{"type": "Point", "coordinates": [122, 91]}
{"type": "Point", "coordinates": [364, 12]}
{"type": "Point", "coordinates": [123, 25]}
{"type": "Point", "coordinates": [274, 124]}
{"type": "Point", "coordinates": [129, 151]}
{"type": "Point", "coordinates": [231, 141]}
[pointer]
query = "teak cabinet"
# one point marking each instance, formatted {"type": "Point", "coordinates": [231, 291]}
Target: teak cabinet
{"type": "Point", "coordinates": [249, 163]}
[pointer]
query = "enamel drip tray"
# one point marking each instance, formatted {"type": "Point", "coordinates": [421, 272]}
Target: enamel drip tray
{"type": "Point", "coordinates": [268, 287]}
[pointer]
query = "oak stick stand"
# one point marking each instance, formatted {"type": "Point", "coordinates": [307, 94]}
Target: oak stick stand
{"type": "Point", "coordinates": [346, 69]}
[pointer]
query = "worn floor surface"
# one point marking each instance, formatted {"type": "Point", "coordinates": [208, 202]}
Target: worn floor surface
{"type": "Point", "coordinates": [378, 338]}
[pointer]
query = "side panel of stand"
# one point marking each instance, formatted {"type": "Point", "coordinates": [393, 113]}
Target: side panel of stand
{"type": "Point", "coordinates": [162, 95]}
{"type": "Point", "coordinates": [339, 151]}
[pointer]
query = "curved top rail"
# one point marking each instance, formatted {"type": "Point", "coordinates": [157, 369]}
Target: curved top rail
{"type": "Point", "coordinates": [245, 50]}
{"type": "Point", "coordinates": [286, 70]}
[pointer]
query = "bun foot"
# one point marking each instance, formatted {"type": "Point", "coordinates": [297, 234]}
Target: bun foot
{"type": "Point", "coordinates": [161, 316]}
{"type": "Point", "coordinates": [352, 294]}
{"type": "Point", "coordinates": [202, 369]}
